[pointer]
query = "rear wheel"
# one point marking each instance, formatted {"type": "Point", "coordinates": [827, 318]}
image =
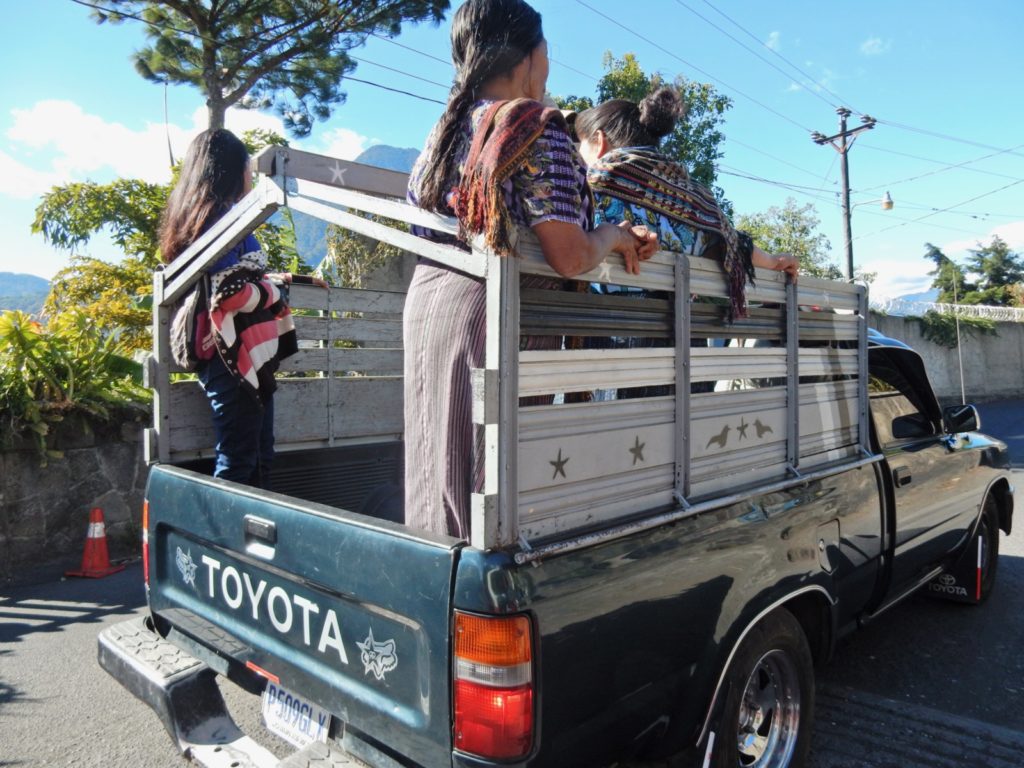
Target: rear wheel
{"type": "Point", "coordinates": [765, 721]}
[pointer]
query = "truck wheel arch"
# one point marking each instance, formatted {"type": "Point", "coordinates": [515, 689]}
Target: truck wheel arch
{"type": "Point", "coordinates": [1002, 492]}
{"type": "Point", "coordinates": [812, 607]}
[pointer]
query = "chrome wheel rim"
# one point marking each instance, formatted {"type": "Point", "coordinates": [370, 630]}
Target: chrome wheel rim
{"type": "Point", "coordinates": [769, 716]}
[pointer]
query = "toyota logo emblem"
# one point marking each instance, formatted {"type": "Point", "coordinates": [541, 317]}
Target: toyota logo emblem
{"type": "Point", "coordinates": [947, 580]}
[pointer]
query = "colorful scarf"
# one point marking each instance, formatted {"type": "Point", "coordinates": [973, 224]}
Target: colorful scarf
{"type": "Point", "coordinates": [499, 147]}
{"type": "Point", "coordinates": [647, 178]}
{"type": "Point", "coordinates": [252, 323]}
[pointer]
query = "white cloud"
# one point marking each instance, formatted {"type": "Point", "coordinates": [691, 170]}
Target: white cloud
{"type": "Point", "coordinates": [57, 142]}
{"type": "Point", "coordinates": [344, 143]}
{"type": "Point", "coordinates": [1012, 233]}
{"type": "Point", "coordinates": [83, 145]}
{"type": "Point", "coordinates": [773, 41]}
{"type": "Point", "coordinates": [875, 46]}
{"type": "Point", "coordinates": [21, 181]}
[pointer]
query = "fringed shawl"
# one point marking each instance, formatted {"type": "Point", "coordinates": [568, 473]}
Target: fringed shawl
{"type": "Point", "coordinates": [649, 179]}
{"type": "Point", "coordinates": [499, 148]}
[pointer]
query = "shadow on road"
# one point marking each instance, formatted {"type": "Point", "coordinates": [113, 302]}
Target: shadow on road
{"type": "Point", "coordinates": [1005, 420]}
{"type": "Point", "coordinates": [33, 609]}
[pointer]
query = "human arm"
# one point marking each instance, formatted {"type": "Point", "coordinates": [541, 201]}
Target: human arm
{"type": "Point", "coordinates": [780, 262]}
{"type": "Point", "coordinates": [572, 251]}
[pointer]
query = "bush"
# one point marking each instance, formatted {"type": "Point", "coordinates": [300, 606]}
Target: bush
{"type": "Point", "coordinates": [941, 328]}
{"type": "Point", "coordinates": [49, 372]}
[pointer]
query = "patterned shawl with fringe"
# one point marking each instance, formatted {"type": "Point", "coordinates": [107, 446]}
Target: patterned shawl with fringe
{"type": "Point", "coordinates": [499, 147]}
{"type": "Point", "coordinates": [647, 178]}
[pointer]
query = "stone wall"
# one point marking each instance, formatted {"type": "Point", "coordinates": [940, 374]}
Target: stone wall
{"type": "Point", "coordinates": [44, 510]}
{"type": "Point", "coordinates": [993, 366]}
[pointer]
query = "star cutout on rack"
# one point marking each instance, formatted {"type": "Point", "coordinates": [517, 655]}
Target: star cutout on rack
{"type": "Point", "coordinates": [637, 450]}
{"type": "Point", "coordinates": [742, 428]}
{"type": "Point", "coordinates": [559, 465]}
{"type": "Point", "coordinates": [606, 271]}
{"type": "Point", "coordinates": [337, 174]}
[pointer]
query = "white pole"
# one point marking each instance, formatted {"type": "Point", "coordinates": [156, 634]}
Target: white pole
{"type": "Point", "coordinates": [959, 352]}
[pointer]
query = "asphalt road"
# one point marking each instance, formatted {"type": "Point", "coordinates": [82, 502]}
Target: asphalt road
{"type": "Point", "coordinates": [933, 685]}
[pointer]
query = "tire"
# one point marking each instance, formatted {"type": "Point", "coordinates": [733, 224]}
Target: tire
{"type": "Point", "coordinates": [765, 720]}
{"type": "Point", "coordinates": [988, 534]}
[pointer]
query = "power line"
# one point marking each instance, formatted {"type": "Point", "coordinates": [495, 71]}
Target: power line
{"type": "Point", "coordinates": [395, 90]}
{"type": "Point", "coordinates": [755, 53]}
{"type": "Point", "coordinates": [399, 71]}
{"type": "Point", "coordinates": [414, 50]}
{"type": "Point", "coordinates": [810, 77]}
{"type": "Point", "coordinates": [943, 210]}
{"type": "Point", "coordinates": [947, 137]}
{"type": "Point", "coordinates": [949, 167]}
{"type": "Point", "coordinates": [707, 74]}
{"type": "Point", "coordinates": [772, 157]}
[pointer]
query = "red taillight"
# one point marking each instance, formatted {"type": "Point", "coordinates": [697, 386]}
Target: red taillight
{"type": "Point", "coordinates": [145, 541]}
{"type": "Point", "coordinates": [493, 685]}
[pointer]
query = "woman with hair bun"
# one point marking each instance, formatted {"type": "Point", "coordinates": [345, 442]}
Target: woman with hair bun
{"type": "Point", "coordinates": [634, 182]}
{"type": "Point", "coordinates": [498, 159]}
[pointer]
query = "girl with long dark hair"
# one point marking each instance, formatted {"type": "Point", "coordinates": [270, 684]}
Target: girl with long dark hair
{"type": "Point", "coordinates": [252, 328]}
{"type": "Point", "coordinates": [498, 159]}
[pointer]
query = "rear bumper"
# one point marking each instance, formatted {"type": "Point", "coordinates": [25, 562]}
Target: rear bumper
{"type": "Point", "coordinates": [183, 693]}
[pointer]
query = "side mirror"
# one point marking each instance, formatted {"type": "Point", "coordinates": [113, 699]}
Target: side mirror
{"type": "Point", "coordinates": [960, 418]}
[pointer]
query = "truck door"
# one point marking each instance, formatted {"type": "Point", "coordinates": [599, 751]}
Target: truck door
{"type": "Point", "coordinates": [936, 489]}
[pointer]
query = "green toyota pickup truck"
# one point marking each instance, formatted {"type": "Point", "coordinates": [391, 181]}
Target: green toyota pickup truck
{"type": "Point", "coordinates": [771, 485]}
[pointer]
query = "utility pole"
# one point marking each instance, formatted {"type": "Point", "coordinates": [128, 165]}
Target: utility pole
{"type": "Point", "coordinates": [842, 142]}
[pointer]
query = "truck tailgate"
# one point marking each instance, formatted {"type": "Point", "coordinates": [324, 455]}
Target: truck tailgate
{"type": "Point", "coordinates": [349, 612]}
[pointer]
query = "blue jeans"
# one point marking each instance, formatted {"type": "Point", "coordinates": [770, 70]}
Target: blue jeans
{"type": "Point", "coordinates": [243, 425]}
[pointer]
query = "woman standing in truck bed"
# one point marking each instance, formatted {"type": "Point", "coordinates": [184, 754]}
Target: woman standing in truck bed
{"type": "Point", "coordinates": [497, 159]}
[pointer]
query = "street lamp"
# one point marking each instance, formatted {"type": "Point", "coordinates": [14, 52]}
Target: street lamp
{"type": "Point", "coordinates": [842, 146]}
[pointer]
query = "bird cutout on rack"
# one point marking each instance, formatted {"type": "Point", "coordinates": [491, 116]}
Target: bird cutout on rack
{"type": "Point", "coordinates": [721, 438]}
{"type": "Point", "coordinates": [559, 465]}
{"type": "Point", "coordinates": [637, 450]}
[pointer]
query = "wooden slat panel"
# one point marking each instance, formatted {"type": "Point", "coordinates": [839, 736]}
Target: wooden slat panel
{"type": "Point", "coordinates": [545, 372]}
{"type": "Point", "coordinates": [348, 328]}
{"type": "Point", "coordinates": [358, 300]}
{"type": "Point", "coordinates": [392, 209]}
{"type": "Point", "coordinates": [828, 362]}
{"type": "Point", "coordinates": [552, 312]}
{"type": "Point", "coordinates": [331, 170]}
{"type": "Point", "coordinates": [590, 504]}
{"type": "Point", "coordinates": [829, 326]}
{"type": "Point", "coordinates": [364, 407]}
{"type": "Point", "coordinates": [340, 361]}
{"type": "Point", "coordinates": [658, 273]}
{"type": "Point", "coordinates": [708, 321]}
{"type": "Point", "coordinates": [470, 263]}
{"type": "Point", "coordinates": [550, 421]}
{"type": "Point", "coordinates": [829, 294]}
{"type": "Point", "coordinates": [555, 460]}
{"type": "Point", "coordinates": [732, 363]}
{"type": "Point", "coordinates": [813, 461]}
{"type": "Point", "coordinates": [708, 279]}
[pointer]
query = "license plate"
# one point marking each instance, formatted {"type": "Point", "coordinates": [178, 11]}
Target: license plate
{"type": "Point", "coordinates": [292, 717]}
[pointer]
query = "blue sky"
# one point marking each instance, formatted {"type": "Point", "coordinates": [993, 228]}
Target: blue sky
{"type": "Point", "coordinates": [72, 108]}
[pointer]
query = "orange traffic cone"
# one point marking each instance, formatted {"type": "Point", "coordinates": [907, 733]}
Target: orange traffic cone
{"type": "Point", "coordinates": [95, 560]}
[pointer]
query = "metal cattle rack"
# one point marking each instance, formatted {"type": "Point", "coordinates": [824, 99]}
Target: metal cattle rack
{"type": "Point", "coordinates": [775, 399]}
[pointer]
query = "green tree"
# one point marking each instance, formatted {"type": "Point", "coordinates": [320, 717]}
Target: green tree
{"type": "Point", "coordinates": [115, 294]}
{"type": "Point", "coordinates": [288, 54]}
{"type": "Point", "coordinates": [794, 229]}
{"type": "Point", "coordinates": [949, 277]}
{"type": "Point", "coordinates": [998, 269]}
{"type": "Point", "coordinates": [697, 139]}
